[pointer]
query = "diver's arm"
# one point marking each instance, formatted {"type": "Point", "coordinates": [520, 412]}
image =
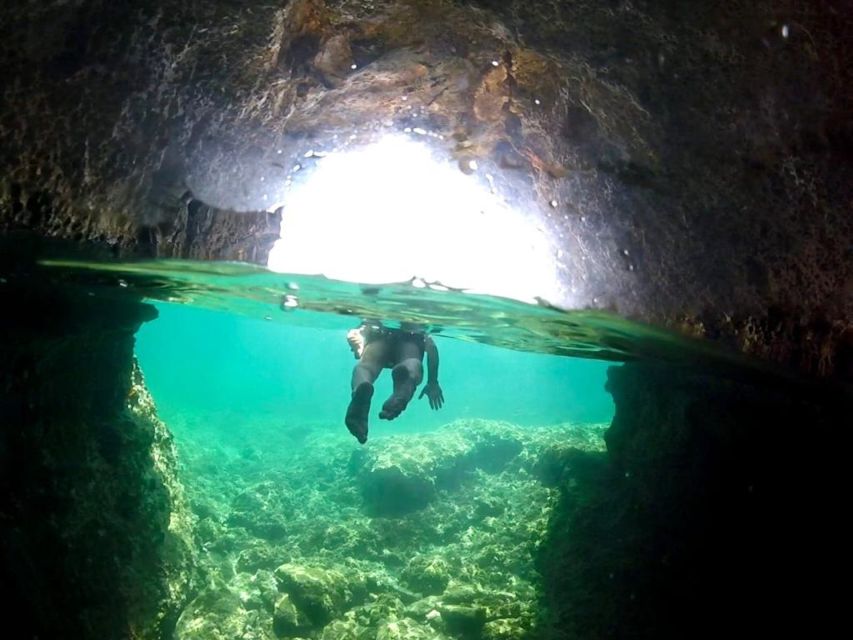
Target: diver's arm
{"type": "Point", "coordinates": [431, 389]}
{"type": "Point", "coordinates": [432, 360]}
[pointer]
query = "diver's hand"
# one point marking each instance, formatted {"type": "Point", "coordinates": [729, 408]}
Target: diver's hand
{"type": "Point", "coordinates": [434, 393]}
{"type": "Point", "coordinates": [355, 339]}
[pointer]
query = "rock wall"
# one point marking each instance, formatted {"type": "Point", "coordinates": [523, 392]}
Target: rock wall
{"type": "Point", "coordinates": [718, 510]}
{"type": "Point", "coordinates": [697, 158]}
{"type": "Point", "coordinates": [94, 532]}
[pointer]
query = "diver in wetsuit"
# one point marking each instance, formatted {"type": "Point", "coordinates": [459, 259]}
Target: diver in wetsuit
{"type": "Point", "coordinates": [401, 350]}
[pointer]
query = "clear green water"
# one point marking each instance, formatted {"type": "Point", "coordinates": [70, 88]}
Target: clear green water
{"type": "Point", "coordinates": [234, 340]}
{"type": "Point", "coordinates": [228, 368]}
{"type": "Point", "coordinates": [432, 529]}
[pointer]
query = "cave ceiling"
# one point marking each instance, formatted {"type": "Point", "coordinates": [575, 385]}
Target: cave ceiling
{"type": "Point", "coordinates": [690, 161]}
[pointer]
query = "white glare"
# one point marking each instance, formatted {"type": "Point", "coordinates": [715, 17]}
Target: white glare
{"type": "Point", "coordinates": [389, 212]}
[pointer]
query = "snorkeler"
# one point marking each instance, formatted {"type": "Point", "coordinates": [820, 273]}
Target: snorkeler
{"type": "Point", "coordinates": [401, 350]}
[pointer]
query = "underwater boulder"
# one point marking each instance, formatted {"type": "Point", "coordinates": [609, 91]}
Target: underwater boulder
{"type": "Point", "coordinates": [288, 621]}
{"type": "Point", "coordinates": [215, 614]}
{"type": "Point", "coordinates": [264, 591]}
{"type": "Point", "coordinates": [248, 501]}
{"type": "Point", "coordinates": [396, 490]}
{"type": "Point", "coordinates": [268, 528]}
{"type": "Point", "coordinates": [369, 621]}
{"type": "Point", "coordinates": [503, 629]}
{"type": "Point", "coordinates": [488, 507]}
{"type": "Point", "coordinates": [493, 452]}
{"type": "Point", "coordinates": [463, 621]}
{"type": "Point", "coordinates": [467, 611]}
{"type": "Point", "coordinates": [320, 594]}
{"type": "Point", "coordinates": [404, 476]}
{"type": "Point", "coordinates": [424, 609]}
{"type": "Point", "coordinates": [341, 630]}
{"type": "Point", "coordinates": [258, 510]}
{"type": "Point", "coordinates": [392, 628]}
{"type": "Point", "coordinates": [257, 557]}
{"type": "Point", "coordinates": [428, 575]}
{"type": "Point", "coordinates": [560, 464]}
{"type": "Point", "coordinates": [405, 629]}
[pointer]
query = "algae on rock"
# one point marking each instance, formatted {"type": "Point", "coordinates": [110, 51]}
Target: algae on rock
{"type": "Point", "coordinates": [460, 565]}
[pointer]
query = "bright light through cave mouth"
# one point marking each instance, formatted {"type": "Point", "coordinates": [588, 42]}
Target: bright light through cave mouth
{"type": "Point", "coordinates": [391, 212]}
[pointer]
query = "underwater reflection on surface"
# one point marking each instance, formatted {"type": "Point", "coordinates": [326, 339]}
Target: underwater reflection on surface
{"type": "Point", "coordinates": [318, 302]}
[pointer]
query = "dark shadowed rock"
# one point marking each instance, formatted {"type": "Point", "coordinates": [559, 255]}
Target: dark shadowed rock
{"type": "Point", "coordinates": [97, 535]}
{"type": "Point", "coordinates": [718, 503]}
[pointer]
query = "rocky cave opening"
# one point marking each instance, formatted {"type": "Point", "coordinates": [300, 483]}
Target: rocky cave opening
{"type": "Point", "coordinates": [691, 166]}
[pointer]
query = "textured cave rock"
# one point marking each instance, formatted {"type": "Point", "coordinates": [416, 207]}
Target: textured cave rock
{"type": "Point", "coordinates": [698, 153]}
{"type": "Point", "coordinates": [94, 530]}
{"type": "Point", "coordinates": [717, 510]}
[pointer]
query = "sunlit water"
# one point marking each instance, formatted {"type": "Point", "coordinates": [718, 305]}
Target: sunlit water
{"type": "Point", "coordinates": [235, 340]}
{"type": "Point", "coordinates": [251, 372]}
{"type": "Point", "coordinates": [226, 367]}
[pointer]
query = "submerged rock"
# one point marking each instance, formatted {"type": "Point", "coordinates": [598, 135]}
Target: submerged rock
{"type": "Point", "coordinates": [404, 476]}
{"type": "Point", "coordinates": [466, 622]}
{"type": "Point", "coordinates": [265, 591]}
{"type": "Point", "coordinates": [701, 517]}
{"type": "Point", "coordinates": [288, 621]}
{"type": "Point", "coordinates": [406, 630]}
{"type": "Point", "coordinates": [260, 512]}
{"type": "Point", "coordinates": [396, 488]}
{"type": "Point", "coordinates": [218, 614]}
{"type": "Point", "coordinates": [261, 556]}
{"type": "Point", "coordinates": [462, 567]}
{"type": "Point", "coordinates": [561, 464]}
{"type": "Point", "coordinates": [390, 629]}
{"type": "Point", "coordinates": [424, 609]}
{"type": "Point", "coordinates": [428, 575]}
{"type": "Point", "coordinates": [319, 594]}
{"type": "Point", "coordinates": [504, 629]}
{"type": "Point", "coordinates": [95, 530]}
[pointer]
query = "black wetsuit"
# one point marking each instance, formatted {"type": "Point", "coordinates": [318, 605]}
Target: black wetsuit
{"type": "Point", "coordinates": [396, 343]}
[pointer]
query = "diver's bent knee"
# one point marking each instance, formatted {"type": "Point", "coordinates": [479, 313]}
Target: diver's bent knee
{"type": "Point", "coordinates": [415, 368]}
{"type": "Point", "coordinates": [366, 369]}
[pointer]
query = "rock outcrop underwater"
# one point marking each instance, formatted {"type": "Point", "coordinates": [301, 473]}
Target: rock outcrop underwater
{"type": "Point", "coordinates": [430, 536]}
{"type": "Point", "coordinates": [95, 534]}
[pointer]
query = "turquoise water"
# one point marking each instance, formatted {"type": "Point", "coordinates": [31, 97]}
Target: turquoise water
{"type": "Point", "coordinates": [433, 530]}
{"type": "Point", "coordinates": [236, 373]}
{"type": "Point", "coordinates": [428, 531]}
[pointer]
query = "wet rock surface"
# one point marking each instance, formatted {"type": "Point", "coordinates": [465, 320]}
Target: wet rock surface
{"type": "Point", "coordinates": [96, 536]}
{"type": "Point", "coordinates": [692, 166]}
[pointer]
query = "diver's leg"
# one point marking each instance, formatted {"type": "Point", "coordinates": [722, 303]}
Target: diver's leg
{"type": "Point", "coordinates": [407, 375]}
{"type": "Point", "coordinates": [364, 374]}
